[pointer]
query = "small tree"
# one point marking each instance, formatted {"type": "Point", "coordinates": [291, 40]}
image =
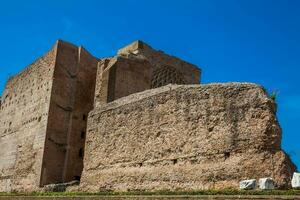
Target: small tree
{"type": "Point", "coordinates": [274, 95]}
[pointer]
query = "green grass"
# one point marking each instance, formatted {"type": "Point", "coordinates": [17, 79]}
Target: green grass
{"type": "Point", "coordinates": [157, 193]}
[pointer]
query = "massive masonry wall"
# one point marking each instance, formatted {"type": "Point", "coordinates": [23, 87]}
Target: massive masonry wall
{"type": "Point", "coordinates": [43, 119]}
{"type": "Point", "coordinates": [120, 76]}
{"type": "Point", "coordinates": [71, 100]}
{"type": "Point", "coordinates": [83, 104]}
{"type": "Point", "coordinates": [185, 137]}
{"type": "Point", "coordinates": [129, 75]}
{"type": "Point", "coordinates": [185, 73]}
{"type": "Point", "coordinates": [44, 109]}
{"type": "Point", "coordinates": [23, 123]}
{"type": "Point", "coordinates": [138, 67]}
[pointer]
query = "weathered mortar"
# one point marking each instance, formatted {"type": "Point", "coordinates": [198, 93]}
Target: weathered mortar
{"type": "Point", "coordinates": [120, 76]}
{"type": "Point", "coordinates": [185, 137]}
{"type": "Point", "coordinates": [138, 67]}
{"type": "Point", "coordinates": [23, 122]}
{"type": "Point", "coordinates": [172, 137]}
{"type": "Point", "coordinates": [44, 108]}
{"type": "Point", "coordinates": [43, 119]}
{"type": "Point", "coordinates": [71, 99]}
{"type": "Point", "coordinates": [159, 59]}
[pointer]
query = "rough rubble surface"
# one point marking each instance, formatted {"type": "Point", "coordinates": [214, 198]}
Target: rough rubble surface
{"type": "Point", "coordinates": [185, 137]}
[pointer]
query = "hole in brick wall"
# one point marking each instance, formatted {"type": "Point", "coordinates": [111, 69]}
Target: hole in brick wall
{"type": "Point", "coordinates": [210, 129]}
{"type": "Point", "coordinates": [140, 164]}
{"type": "Point", "coordinates": [82, 135]}
{"type": "Point", "coordinates": [77, 178]}
{"type": "Point", "coordinates": [226, 155]}
{"type": "Point", "coordinates": [174, 161]}
{"type": "Point", "coordinates": [80, 154]}
{"type": "Point", "coordinates": [40, 118]}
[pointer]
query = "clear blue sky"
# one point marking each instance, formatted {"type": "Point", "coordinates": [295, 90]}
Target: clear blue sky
{"type": "Point", "coordinates": [232, 40]}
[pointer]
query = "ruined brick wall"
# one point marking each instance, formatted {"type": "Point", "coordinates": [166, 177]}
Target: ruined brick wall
{"type": "Point", "coordinates": [162, 62]}
{"type": "Point", "coordinates": [102, 78]}
{"type": "Point", "coordinates": [83, 104]}
{"type": "Point", "coordinates": [171, 137]}
{"type": "Point", "coordinates": [61, 106]}
{"type": "Point", "coordinates": [71, 100]}
{"type": "Point", "coordinates": [185, 137]}
{"type": "Point", "coordinates": [138, 67]}
{"type": "Point", "coordinates": [130, 75]}
{"type": "Point", "coordinates": [121, 76]}
{"type": "Point", "coordinates": [23, 122]}
{"type": "Point", "coordinates": [43, 119]}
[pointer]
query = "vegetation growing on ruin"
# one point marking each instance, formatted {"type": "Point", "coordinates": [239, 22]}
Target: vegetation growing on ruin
{"type": "Point", "coordinates": [274, 95]}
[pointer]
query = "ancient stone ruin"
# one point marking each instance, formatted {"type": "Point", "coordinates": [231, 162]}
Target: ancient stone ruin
{"type": "Point", "coordinates": [140, 120]}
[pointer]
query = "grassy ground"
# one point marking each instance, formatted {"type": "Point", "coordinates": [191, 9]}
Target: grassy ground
{"type": "Point", "coordinates": [159, 193]}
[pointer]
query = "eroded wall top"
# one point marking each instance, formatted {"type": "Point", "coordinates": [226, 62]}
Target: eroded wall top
{"type": "Point", "coordinates": [139, 67]}
{"type": "Point", "coordinates": [160, 60]}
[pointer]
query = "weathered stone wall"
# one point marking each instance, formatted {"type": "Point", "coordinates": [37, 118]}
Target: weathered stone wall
{"type": "Point", "coordinates": [23, 122]}
{"type": "Point", "coordinates": [172, 137]}
{"type": "Point", "coordinates": [121, 76]}
{"type": "Point", "coordinates": [131, 75]}
{"type": "Point", "coordinates": [61, 106]}
{"type": "Point", "coordinates": [138, 67]}
{"type": "Point", "coordinates": [43, 119]}
{"type": "Point", "coordinates": [71, 100]}
{"type": "Point", "coordinates": [102, 80]}
{"type": "Point", "coordinates": [160, 60]}
{"type": "Point", "coordinates": [185, 137]}
{"type": "Point", "coordinates": [83, 104]}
